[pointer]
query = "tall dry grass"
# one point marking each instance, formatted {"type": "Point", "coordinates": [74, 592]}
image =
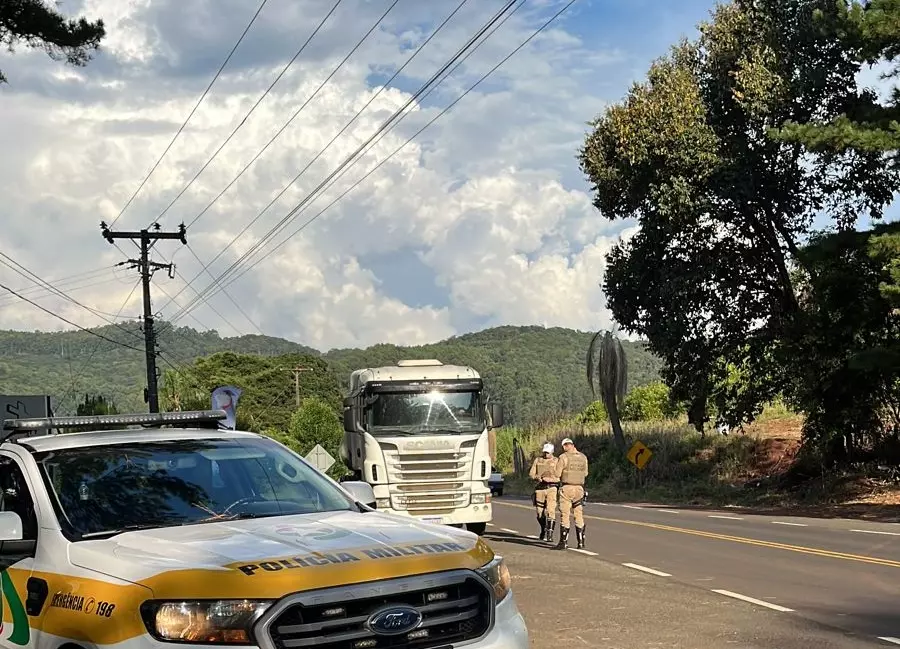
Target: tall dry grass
{"type": "Point", "coordinates": [684, 466]}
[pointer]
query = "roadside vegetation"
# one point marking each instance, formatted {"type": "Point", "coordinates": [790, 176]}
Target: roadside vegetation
{"type": "Point", "coordinates": [761, 466]}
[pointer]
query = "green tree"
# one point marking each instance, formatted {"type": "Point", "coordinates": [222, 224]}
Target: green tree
{"type": "Point", "coordinates": [268, 398]}
{"type": "Point", "coordinates": [37, 25]}
{"type": "Point", "coordinates": [316, 422]}
{"type": "Point", "coordinates": [848, 342]}
{"type": "Point", "coordinates": [870, 33]}
{"type": "Point", "coordinates": [96, 404]}
{"type": "Point", "coordinates": [607, 368]}
{"type": "Point", "coordinates": [649, 402]}
{"type": "Point", "coordinates": [722, 207]}
{"type": "Point", "coordinates": [594, 413]}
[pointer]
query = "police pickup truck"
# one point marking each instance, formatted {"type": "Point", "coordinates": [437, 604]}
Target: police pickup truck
{"type": "Point", "coordinates": [154, 530]}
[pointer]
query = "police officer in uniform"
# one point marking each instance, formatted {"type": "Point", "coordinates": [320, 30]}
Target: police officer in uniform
{"type": "Point", "coordinates": [543, 470]}
{"type": "Point", "coordinates": [571, 472]}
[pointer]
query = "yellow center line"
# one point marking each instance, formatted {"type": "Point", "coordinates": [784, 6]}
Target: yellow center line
{"type": "Point", "coordinates": [738, 539]}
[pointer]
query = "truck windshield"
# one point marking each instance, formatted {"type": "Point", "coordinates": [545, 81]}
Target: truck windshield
{"type": "Point", "coordinates": [104, 490]}
{"type": "Point", "coordinates": [426, 412]}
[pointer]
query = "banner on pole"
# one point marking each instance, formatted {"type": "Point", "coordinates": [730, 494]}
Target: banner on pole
{"type": "Point", "coordinates": [226, 398]}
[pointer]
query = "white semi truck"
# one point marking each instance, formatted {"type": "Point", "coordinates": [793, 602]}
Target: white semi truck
{"type": "Point", "coordinates": [422, 435]}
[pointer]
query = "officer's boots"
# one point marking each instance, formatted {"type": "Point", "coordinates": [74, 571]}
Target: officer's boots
{"type": "Point", "coordinates": [551, 527]}
{"type": "Point", "coordinates": [542, 521]}
{"type": "Point", "coordinates": [563, 538]}
{"type": "Point", "coordinates": [579, 534]}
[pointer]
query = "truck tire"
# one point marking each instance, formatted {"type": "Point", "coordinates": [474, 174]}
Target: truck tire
{"type": "Point", "coordinates": [477, 528]}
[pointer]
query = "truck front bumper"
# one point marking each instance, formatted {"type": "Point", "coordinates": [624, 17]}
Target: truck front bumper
{"type": "Point", "coordinates": [509, 630]}
{"type": "Point", "coordinates": [470, 514]}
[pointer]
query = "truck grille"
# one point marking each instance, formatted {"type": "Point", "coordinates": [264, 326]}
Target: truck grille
{"type": "Point", "coordinates": [431, 503]}
{"type": "Point", "coordinates": [456, 607]}
{"type": "Point", "coordinates": [430, 467]}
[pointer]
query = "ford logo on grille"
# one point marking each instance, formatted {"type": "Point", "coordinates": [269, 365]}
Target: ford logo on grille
{"type": "Point", "coordinates": [394, 620]}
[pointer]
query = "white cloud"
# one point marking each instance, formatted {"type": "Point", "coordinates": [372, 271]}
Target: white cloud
{"type": "Point", "coordinates": [489, 198]}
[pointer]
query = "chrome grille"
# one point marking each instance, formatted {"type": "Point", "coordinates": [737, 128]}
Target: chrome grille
{"type": "Point", "coordinates": [456, 607]}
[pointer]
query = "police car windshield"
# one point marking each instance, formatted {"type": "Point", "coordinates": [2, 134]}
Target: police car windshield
{"type": "Point", "coordinates": [104, 490]}
{"type": "Point", "coordinates": [425, 412]}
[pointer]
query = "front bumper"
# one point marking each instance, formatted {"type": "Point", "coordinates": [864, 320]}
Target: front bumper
{"type": "Point", "coordinates": [509, 631]}
{"type": "Point", "coordinates": [470, 514]}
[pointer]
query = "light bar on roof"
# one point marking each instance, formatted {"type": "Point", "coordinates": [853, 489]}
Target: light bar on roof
{"type": "Point", "coordinates": [100, 422]}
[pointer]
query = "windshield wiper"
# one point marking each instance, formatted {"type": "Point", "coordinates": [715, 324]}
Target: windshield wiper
{"type": "Point", "coordinates": [123, 529]}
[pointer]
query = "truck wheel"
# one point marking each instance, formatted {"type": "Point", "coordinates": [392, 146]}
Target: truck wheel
{"type": "Point", "coordinates": [477, 528]}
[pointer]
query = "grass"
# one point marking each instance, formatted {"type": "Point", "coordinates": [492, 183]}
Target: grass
{"type": "Point", "coordinates": [686, 467]}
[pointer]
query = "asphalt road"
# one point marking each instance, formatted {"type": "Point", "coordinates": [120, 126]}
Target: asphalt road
{"type": "Point", "coordinates": [798, 576]}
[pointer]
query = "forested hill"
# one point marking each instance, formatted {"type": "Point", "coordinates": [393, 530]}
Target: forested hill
{"type": "Point", "coordinates": [533, 371]}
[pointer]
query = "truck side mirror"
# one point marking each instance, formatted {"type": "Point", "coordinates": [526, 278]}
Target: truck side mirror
{"type": "Point", "coordinates": [10, 526]}
{"type": "Point", "coordinates": [496, 415]}
{"type": "Point", "coordinates": [349, 420]}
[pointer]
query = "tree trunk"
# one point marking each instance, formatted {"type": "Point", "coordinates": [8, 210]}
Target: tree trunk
{"type": "Point", "coordinates": [618, 434]}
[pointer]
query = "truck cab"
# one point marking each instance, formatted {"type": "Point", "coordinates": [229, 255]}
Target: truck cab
{"type": "Point", "coordinates": [420, 433]}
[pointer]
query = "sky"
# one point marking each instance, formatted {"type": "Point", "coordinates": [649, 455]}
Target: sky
{"type": "Point", "coordinates": [482, 219]}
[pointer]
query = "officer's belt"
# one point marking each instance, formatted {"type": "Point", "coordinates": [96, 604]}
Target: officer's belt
{"type": "Point", "coordinates": [571, 484]}
{"type": "Point", "coordinates": [544, 486]}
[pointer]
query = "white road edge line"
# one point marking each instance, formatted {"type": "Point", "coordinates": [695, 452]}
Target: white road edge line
{"type": "Point", "coordinates": [786, 523]}
{"type": "Point", "coordinates": [751, 600]}
{"type": "Point", "coordinates": [531, 536]}
{"type": "Point", "coordinates": [730, 518]}
{"type": "Point", "coordinates": [669, 511]}
{"type": "Point", "coordinates": [877, 532]}
{"type": "Point", "coordinates": [891, 640]}
{"type": "Point", "coordinates": [649, 571]}
{"type": "Point", "coordinates": [587, 552]}
{"type": "Point", "coordinates": [506, 529]}
{"type": "Point", "coordinates": [630, 506]}
{"type": "Point", "coordinates": [490, 525]}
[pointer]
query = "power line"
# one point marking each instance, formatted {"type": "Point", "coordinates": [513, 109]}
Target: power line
{"type": "Point", "coordinates": [269, 143]}
{"type": "Point", "coordinates": [41, 291]}
{"type": "Point", "coordinates": [67, 279]}
{"type": "Point", "coordinates": [351, 159]}
{"type": "Point", "coordinates": [247, 116]}
{"type": "Point", "coordinates": [76, 375]}
{"type": "Point", "coordinates": [191, 114]}
{"type": "Point", "coordinates": [27, 274]}
{"type": "Point", "coordinates": [228, 295]}
{"type": "Point", "coordinates": [59, 317]}
{"type": "Point", "coordinates": [398, 149]}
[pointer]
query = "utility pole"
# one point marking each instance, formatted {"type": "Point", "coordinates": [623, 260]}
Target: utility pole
{"type": "Point", "coordinates": [296, 372]}
{"type": "Point", "coordinates": [147, 268]}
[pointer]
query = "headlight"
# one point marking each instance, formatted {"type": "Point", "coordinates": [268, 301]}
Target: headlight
{"type": "Point", "coordinates": [481, 499]}
{"type": "Point", "coordinates": [497, 575]}
{"type": "Point", "coordinates": [383, 503]}
{"type": "Point", "coordinates": [211, 621]}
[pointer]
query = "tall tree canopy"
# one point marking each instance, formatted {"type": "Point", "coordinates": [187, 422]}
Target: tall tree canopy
{"type": "Point", "coordinates": [870, 31]}
{"type": "Point", "coordinates": [38, 25]}
{"type": "Point", "coordinates": [724, 206]}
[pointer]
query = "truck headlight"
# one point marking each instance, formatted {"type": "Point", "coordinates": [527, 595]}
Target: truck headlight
{"type": "Point", "coordinates": [203, 622]}
{"type": "Point", "coordinates": [480, 499]}
{"type": "Point", "coordinates": [497, 575]}
{"type": "Point", "coordinates": [382, 503]}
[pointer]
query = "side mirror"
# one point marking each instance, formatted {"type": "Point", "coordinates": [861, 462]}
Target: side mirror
{"type": "Point", "coordinates": [349, 420]}
{"type": "Point", "coordinates": [361, 491]}
{"type": "Point", "coordinates": [496, 415]}
{"type": "Point", "coordinates": [10, 527]}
